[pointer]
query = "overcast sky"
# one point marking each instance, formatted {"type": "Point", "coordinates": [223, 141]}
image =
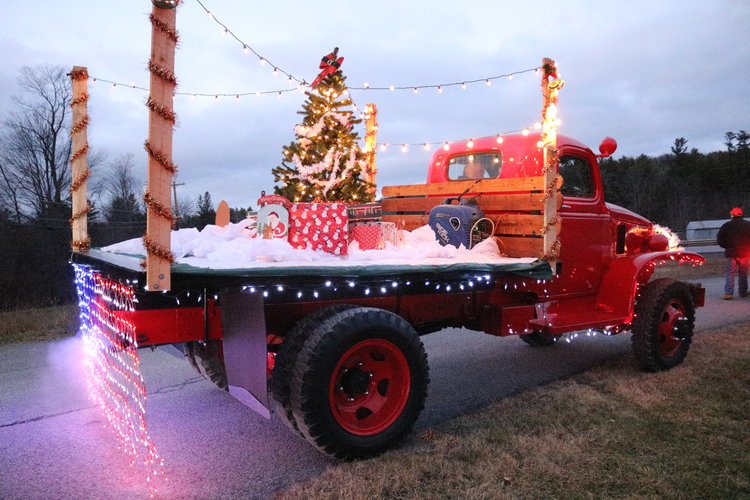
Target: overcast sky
{"type": "Point", "coordinates": [643, 72]}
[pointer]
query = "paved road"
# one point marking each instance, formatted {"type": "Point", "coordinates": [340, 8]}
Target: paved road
{"type": "Point", "coordinates": [55, 444]}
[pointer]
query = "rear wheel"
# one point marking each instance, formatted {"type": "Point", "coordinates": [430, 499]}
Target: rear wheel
{"type": "Point", "coordinates": [287, 357]}
{"type": "Point", "coordinates": [359, 383]}
{"type": "Point", "coordinates": [208, 359]}
{"type": "Point", "coordinates": [663, 324]}
{"type": "Point", "coordinates": [539, 339]}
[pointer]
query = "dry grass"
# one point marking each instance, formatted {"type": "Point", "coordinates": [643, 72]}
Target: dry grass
{"type": "Point", "coordinates": [612, 432]}
{"type": "Point", "coordinates": [29, 325]}
{"type": "Point", "coordinates": [712, 268]}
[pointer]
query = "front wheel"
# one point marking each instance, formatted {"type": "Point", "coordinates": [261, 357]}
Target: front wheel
{"type": "Point", "coordinates": [359, 383]}
{"type": "Point", "coordinates": [663, 324]}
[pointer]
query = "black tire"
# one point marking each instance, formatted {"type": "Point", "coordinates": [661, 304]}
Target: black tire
{"type": "Point", "coordinates": [208, 360]}
{"type": "Point", "coordinates": [663, 325]}
{"type": "Point", "coordinates": [287, 356]}
{"type": "Point", "coordinates": [539, 339]}
{"type": "Point", "coordinates": [359, 383]}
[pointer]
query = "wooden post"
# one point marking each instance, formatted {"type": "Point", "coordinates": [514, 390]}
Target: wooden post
{"type": "Point", "coordinates": [551, 161]}
{"type": "Point", "coordinates": [161, 169]}
{"type": "Point", "coordinates": [79, 160]}
{"type": "Point", "coordinates": [371, 134]}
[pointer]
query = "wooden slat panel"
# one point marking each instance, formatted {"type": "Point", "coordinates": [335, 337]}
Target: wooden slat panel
{"type": "Point", "coordinates": [410, 222]}
{"type": "Point", "coordinates": [457, 187]}
{"type": "Point", "coordinates": [423, 204]}
{"type": "Point", "coordinates": [521, 224]}
{"type": "Point", "coordinates": [520, 247]}
{"type": "Point", "coordinates": [526, 202]}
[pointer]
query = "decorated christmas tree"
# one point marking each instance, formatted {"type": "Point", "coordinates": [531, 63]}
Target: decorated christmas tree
{"type": "Point", "coordinates": [325, 162]}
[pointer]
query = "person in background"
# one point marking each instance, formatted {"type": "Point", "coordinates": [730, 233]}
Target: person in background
{"type": "Point", "coordinates": [734, 238]}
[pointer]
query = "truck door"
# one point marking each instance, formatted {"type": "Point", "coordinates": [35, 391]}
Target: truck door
{"type": "Point", "coordinates": [585, 232]}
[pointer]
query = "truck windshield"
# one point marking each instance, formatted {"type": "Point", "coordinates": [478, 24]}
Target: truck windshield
{"type": "Point", "coordinates": [475, 166]}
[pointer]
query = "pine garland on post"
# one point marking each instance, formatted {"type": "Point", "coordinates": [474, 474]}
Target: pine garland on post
{"type": "Point", "coordinates": [325, 162]}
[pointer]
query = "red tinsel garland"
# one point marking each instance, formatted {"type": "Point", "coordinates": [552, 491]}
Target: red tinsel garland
{"type": "Point", "coordinates": [77, 127]}
{"type": "Point", "coordinates": [162, 73]}
{"type": "Point", "coordinates": [80, 213]}
{"type": "Point", "coordinates": [161, 158]}
{"type": "Point", "coordinates": [81, 245]}
{"type": "Point", "coordinates": [161, 110]}
{"type": "Point", "coordinates": [170, 32]}
{"type": "Point", "coordinates": [79, 75]}
{"type": "Point", "coordinates": [80, 99]}
{"type": "Point", "coordinates": [80, 152]}
{"type": "Point", "coordinates": [552, 223]}
{"type": "Point", "coordinates": [156, 250]}
{"type": "Point", "coordinates": [554, 252]}
{"type": "Point", "coordinates": [76, 184]}
{"type": "Point", "coordinates": [158, 208]}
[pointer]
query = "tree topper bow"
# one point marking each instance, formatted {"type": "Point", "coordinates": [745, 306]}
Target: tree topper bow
{"type": "Point", "coordinates": [329, 64]}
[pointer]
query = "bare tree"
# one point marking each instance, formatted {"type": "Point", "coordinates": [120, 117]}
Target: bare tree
{"type": "Point", "coordinates": [36, 143]}
{"type": "Point", "coordinates": [122, 190]}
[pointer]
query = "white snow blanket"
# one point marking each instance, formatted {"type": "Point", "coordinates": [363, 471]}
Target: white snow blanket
{"type": "Point", "coordinates": [236, 246]}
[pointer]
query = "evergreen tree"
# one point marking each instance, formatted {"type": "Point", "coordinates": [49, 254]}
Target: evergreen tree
{"type": "Point", "coordinates": [325, 161]}
{"type": "Point", "coordinates": [206, 213]}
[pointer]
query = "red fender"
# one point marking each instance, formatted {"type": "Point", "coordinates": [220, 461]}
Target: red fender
{"type": "Point", "coordinates": [620, 283]}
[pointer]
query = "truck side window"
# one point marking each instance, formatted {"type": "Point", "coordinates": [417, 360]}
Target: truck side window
{"type": "Point", "coordinates": [475, 166]}
{"type": "Point", "coordinates": [576, 174]}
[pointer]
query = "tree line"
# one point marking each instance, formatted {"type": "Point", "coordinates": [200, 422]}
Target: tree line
{"type": "Point", "coordinates": [35, 178]}
{"type": "Point", "coordinates": [683, 185]}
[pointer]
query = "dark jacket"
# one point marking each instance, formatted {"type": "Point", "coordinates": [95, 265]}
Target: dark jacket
{"type": "Point", "coordinates": [734, 238]}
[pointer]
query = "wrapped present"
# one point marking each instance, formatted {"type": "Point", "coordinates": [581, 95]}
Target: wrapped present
{"type": "Point", "coordinates": [319, 226]}
{"type": "Point", "coordinates": [364, 212]}
{"type": "Point", "coordinates": [373, 235]}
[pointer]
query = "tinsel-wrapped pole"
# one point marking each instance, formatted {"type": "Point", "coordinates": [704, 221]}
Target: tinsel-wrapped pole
{"type": "Point", "coordinates": [371, 135]}
{"type": "Point", "coordinates": [550, 124]}
{"type": "Point", "coordinates": [161, 122]}
{"type": "Point", "coordinates": [79, 159]}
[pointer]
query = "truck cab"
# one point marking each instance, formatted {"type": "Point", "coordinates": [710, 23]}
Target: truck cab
{"type": "Point", "coordinates": [599, 241]}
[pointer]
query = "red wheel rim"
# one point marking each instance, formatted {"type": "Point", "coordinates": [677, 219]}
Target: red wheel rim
{"type": "Point", "coordinates": [369, 387]}
{"type": "Point", "coordinates": [672, 317]}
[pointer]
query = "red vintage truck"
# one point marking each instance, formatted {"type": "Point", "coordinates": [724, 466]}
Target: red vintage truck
{"type": "Point", "coordinates": [337, 351]}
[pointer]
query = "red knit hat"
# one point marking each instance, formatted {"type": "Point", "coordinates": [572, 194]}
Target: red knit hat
{"type": "Point", "coordinates": [736, 212]}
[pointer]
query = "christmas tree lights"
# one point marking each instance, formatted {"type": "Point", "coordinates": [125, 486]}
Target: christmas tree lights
{"type": "Point", "coordinates": [325, 163]}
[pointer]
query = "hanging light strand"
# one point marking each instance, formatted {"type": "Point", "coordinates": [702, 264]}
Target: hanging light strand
{"type": "Point", "coordinates": [441, 86]}
{"type": "Point", "coordinates": [404, 146]}
{"type": "Point", "coordinates": [248, 49]}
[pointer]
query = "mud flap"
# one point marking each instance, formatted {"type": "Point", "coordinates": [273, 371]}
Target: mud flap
{"type": "Point", "coordinates": [244, 342]}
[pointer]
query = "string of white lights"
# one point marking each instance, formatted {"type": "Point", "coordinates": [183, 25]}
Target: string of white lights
{"type": "Point", "coordinates": [383, 146]}
{"type": "Point", "coordinates": [246, 48]}
{"type": "Point", "coordinates": [440, 86]}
